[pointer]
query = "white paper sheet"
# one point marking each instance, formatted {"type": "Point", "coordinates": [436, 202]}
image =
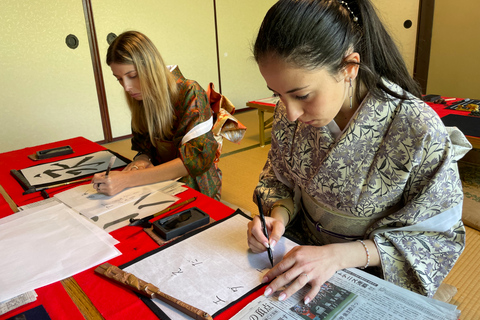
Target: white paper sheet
{"type": "Point", "coordinates": [59, 171]}
{"type": "Point", "coordinates": [45, 244]}
{"type": "Point", "coordinates": [113, 212]}
{"type": "Point", "coordinates": [210, 269]}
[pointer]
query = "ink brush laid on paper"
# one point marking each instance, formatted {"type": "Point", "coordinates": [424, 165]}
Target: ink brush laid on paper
{"type": "Point", "coordinates": [148, 290]}
{"type": "Point", "coordinates": [145, 222]}
{"type": "Point", "coordinates": [32, 189]}
{"type": "Point", "coordinates": [264, 226]}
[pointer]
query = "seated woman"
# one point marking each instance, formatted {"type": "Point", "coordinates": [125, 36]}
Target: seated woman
{"type": "Point", "coordinates": [171, 122]}
{"type": "Point", "coordinates": [361, 171]}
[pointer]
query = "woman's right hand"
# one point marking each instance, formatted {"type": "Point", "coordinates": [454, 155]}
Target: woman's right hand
{"type": "Point", "coordinates": [257, 240]}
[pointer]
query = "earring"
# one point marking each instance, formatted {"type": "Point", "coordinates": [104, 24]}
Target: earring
{"type": "Point", "coordinates": [350, 93]}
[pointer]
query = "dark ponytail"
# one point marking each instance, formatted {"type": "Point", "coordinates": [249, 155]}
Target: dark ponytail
{"type": "Point", "coordinates": [319, 33]}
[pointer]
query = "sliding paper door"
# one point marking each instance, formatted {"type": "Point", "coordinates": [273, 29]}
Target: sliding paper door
{"type": "Point", "coordinates": [47, 90]}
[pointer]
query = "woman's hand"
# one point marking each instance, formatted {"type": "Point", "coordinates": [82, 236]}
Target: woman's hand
{"type": "Point", "coordinates": [116, 182]}
{"type": "Point", "coordinates": [138, 164]}
{"type": "Point", "coordinates": [302, 265]}
{"type": "Point", "coordinates": [317, 264]}
{"type": "Point", "coordinates": [257, 240]}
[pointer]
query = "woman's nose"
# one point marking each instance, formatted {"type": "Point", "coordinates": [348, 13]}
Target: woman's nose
{"type": "Point", "coordinates": [127, 86]}
{"type": "Point", "coordinates": [294, 110]}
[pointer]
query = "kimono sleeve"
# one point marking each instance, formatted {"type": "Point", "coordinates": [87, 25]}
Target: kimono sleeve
{"type": "Point", "coordinates": [197, 154]}
{"type": "Point", "coordinates": [274, 183]}
{"type": "Point", "coordinates": [417, 246]}
{"type": "Point", "coordinates": [142, 143]}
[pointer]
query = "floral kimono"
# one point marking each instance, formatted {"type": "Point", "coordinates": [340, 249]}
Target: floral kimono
{"type": "Point", "coordinates": [390, 176]}
{"type": "Point", "coordinates": [192, 139]}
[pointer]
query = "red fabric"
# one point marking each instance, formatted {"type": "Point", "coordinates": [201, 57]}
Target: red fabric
{"type": "Point", "coordinates": [113, 301]}
{"type": "Point", "coordinates": [18, 159]}
{"type": "Point", "coordinates": [134, 242]}
{"type": "Point", "coordinates": [53, 297]}
{"type": "Point", "coordinates": [442, 112]}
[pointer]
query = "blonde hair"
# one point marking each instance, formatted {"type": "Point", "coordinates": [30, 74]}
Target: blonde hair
{"type": "Point", "coordinates": [155, 114]}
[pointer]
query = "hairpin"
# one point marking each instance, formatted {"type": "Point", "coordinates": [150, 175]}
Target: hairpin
{"type": "Point", "coordinates": [355, 19]}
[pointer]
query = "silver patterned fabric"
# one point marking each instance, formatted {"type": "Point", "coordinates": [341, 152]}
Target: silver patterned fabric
{"type": "Point", "coordinates": [394, 166]}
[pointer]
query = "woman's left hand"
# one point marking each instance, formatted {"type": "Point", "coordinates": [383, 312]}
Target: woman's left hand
{"type": "Point", "coordinates": [138, 164]}
{"type": "Point", "coordinates": [302, 265]}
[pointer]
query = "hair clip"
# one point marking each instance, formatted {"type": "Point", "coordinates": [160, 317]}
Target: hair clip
{"type": "Point", "coordinates": [355, 19]}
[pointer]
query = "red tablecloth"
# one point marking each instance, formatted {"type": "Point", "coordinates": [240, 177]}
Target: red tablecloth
{"type": "Point", "coordinates": [113, 301]}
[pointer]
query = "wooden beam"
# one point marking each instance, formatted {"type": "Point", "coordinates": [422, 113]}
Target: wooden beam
{"type": "Point", "coordinates": [97, 69]}
{"type": "Point", "coordinates": [424, 42]}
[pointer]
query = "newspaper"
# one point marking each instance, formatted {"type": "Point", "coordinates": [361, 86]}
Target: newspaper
{"type": "Point", "coordinates": [354, 295]}
{"type": "Point", "coordinates": [17, 301]}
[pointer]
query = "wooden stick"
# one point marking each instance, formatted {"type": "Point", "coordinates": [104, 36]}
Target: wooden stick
{"type": "Point", "coordinates": [69, 182]}
{"type": "Point", "coordinates": [83, 303]}
{"type": "Point", "coordinates": [149, 290]}
{"type": "Point", "coordinates": [34, 189]}
{"type": "Point", "coordinates": [9, 200]}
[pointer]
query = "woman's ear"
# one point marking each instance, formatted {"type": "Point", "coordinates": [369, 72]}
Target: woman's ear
{"type": "Point", "coordinates": [352, 62]}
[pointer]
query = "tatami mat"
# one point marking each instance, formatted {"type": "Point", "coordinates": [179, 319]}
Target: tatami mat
{"type": "Point", "coordinates": [465, 277]}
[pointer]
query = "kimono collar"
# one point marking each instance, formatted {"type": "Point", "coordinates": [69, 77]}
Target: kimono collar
{"type": "Point", "coordinates": [175, 70]}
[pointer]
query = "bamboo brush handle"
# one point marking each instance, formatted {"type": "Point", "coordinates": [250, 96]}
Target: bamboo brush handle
{"type": "Point", "coordinates": [149, 290]}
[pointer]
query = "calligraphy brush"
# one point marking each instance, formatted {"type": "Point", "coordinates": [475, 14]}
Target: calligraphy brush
{"type": "Point", "coordinates": [144, 222]}
{"type": "Point", "coordinates": [130, 281]}
{"type": "Point", "coordinates": [110, 165]}
{"type": "Point", "coordinates": [264, 227]}
{"type": "Point", "coordinates": [33, 189]}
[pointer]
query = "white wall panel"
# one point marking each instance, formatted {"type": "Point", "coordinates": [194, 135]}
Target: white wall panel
{"type": "Point", "coordinates": [393, 15]}
{"type": "Point", "coordinates": [454, 66]}
{"type": "Point", "coordinates": [238, 24]}
{"type": "Point", "coordinates": [47, 90]}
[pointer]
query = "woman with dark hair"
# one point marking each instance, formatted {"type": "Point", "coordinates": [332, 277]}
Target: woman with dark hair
{"type": "Point", "coordinates": [171, 122]}
{"type": "Point", "coordinates": [361, 172]}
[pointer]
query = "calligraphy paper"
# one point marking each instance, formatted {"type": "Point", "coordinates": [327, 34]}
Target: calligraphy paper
{"type": "Point", "coordinates": [45, 244]}
{"type": "Point", "coordinates": [209, 270]}
{"type": "Point", "coordinates": [70, 169]}
{"type": "Point", "coordinates": [113, 212]}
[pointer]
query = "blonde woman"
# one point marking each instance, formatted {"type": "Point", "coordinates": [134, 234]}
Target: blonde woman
{"type": "Point", "coordinates": [171, 122]}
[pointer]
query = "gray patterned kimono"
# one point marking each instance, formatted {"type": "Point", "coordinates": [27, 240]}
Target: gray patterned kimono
{"type": "Point", "coordinates": [390, 176]}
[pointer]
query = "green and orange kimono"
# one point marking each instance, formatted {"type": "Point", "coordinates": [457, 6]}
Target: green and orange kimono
{"type": "Point", "coordinates": [193, 141]}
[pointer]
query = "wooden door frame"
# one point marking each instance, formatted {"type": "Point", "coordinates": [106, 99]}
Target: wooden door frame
{"type": "Point", "coordinates": [424, 42]}
{"type": "Point", "coordinates": [97, 71]}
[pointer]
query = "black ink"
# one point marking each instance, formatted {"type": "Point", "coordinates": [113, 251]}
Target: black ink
{"type": "Point", "coordinates": [74, 170]}
{"type": "Point", "coordinates": [177, 272]}
{"type": "Point", "coordinates": [219, 300]}
{"type": "Point", "coordinates": [141, 198]}
{"type": "Point", "coordinates": [195, 262]}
